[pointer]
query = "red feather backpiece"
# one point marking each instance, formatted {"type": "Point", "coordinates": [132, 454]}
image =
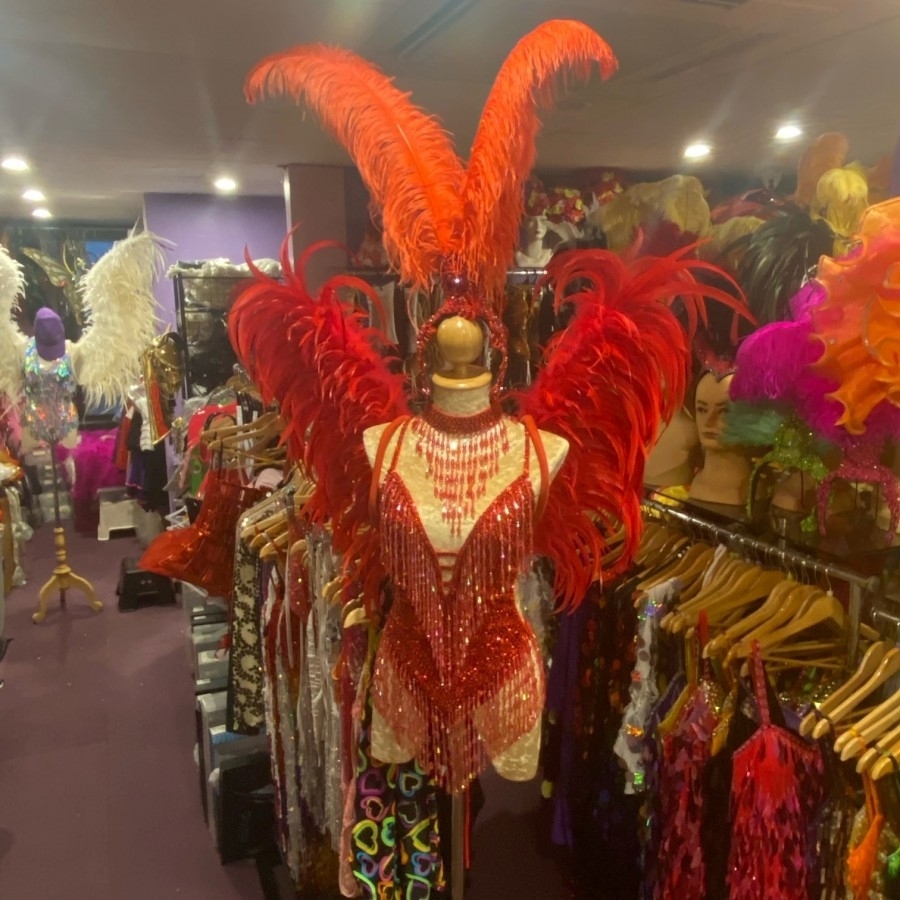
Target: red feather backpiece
{"type": "Point", "coordinates": [504, 150]}
{"type": "Point", "coordinates": [404, 156]}
{"type": "Point", "coordinates": [332, 377]}
{"type": "Point", "coordinates": [619, 369]}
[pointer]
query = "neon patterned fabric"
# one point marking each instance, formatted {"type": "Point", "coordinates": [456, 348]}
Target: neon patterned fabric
{"type": "Point", "coordinates": [395, 840]}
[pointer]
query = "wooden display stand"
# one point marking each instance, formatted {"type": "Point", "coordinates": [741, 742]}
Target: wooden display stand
{"type": "Point", "coordinates": [63, 578]}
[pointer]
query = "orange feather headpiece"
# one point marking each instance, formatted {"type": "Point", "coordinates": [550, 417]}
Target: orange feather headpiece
{"type": "Point", "coordinates": [440, 218]}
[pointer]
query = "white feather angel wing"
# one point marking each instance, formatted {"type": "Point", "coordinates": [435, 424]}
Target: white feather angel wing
{"type": "Point", "coordinates": [121, 314]}
{"type": "Point", "coordinates": [12, 341]}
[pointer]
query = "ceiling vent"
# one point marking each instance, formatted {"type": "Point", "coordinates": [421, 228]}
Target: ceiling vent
{"type": "Point", "coordinates": [725, 4]}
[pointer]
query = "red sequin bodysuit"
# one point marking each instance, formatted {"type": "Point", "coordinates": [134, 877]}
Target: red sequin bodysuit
{"type": "Point", "coordinates": [459, 677]}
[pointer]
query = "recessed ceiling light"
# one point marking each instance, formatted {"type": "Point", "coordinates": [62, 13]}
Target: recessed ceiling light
{"type": "Point", "coordinates": [788, 132]}
{"type": "Point", "coordinates": [42, 213]}
{"type": "Point", "coordinates": [225, 184]}
{"type": "Point", "coordinates": [15, 164]}
{"type": "Point", "coordinates": [697, 151]}
{"type": "Point", "coordinates": [33, 195]}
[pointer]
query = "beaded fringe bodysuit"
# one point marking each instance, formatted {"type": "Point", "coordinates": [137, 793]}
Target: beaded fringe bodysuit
{"type": "Point", "coordinates": [459, 677]}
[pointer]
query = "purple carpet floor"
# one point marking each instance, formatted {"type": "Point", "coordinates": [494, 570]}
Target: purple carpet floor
{"type": "Point", "coordinates": [99, 796]}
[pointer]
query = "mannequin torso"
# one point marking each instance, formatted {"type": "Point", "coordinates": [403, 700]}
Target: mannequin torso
{"type": "Point", "coordinates": [459, 663]}
{"type": "Point", "coordinates": [414, 468]}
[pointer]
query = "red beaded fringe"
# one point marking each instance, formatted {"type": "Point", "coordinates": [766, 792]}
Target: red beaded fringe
{"type": "Point", "coordinates": [459, 677]}
{"type": "Point", "coordinates": [461, 453]}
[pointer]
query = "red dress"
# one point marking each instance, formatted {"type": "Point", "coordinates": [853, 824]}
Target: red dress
{"type": "Point", "coordinates": [458, 676]}
{"type": "Point", "coordinates": [776, 789]}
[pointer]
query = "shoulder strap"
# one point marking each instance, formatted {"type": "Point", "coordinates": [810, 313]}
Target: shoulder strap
{"type": "Point", "coordinates": [534, 435]}
{"type": "Point", "coordinates": [377, 465]}
{"type": "Point", "coordinates": [759, 685]}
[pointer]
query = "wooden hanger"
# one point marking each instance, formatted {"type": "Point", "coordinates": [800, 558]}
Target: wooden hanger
{"type": "Point", "coordinates": [755, 589]}
{"type": "Point", "coordinates": [794, 601]}
{"type": "Point", "coordinates": [726, 576]}
{"type": "Point", "coordinates": [868, 665]}
{"type": "Point", "coordinates": [887, 669]}
{"type": "Point", "coordinates": [275, 547]}
{"type": "Point", "coordinates": [750, 585]}
{"type": "Point", "coordinates": [745, 624]}
{"type": "Point", "coordinates": [889, 756]}
{"type": "Point", "coordinates": [225, 431]}
{"type": "Point", "coordinates": [882, 748]}
{"type": "Point", "coordinates": [878, 722]}
{"type": "Point", "coordinates": [824, 609]}
{"type": "Point", "coordinates": [682, 567]}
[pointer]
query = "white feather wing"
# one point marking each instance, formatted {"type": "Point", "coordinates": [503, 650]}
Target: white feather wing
{"type": "Point", "coordinates": [121, 314]}
{"type": "Point", "coordinates": [12, 341]}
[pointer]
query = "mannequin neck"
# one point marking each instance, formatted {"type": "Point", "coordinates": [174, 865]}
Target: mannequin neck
{"type": "Point", "coordinates": [460, 401]}
{"type": "Point", "coordinates": [723, 479]}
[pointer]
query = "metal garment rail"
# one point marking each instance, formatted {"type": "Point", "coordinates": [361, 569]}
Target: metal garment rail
{"type": "Point", "coordinates": [860, 585]}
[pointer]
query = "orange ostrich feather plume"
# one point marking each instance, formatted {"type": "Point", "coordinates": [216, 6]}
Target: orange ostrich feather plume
{"type": "Point", "coordinates": [437, 216]}
{"type": "Point", "coordinates": [504, 149]}
{"type": "Point", "coordinates": [404, 156]}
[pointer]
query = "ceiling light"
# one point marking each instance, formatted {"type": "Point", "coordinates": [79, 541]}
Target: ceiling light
{"type": "Point", "coordinates": [33, 195]}
{"type": "Point", "coordinates": [225, 184]}
{"type": "Point", "coordinates": [42, 213]}
{"type": "Point", "coordinates": [788, 133]}
{"type": "Point", "coordinates": [15, 164]}
{"type": "Point", "coordinates": [697, 151]}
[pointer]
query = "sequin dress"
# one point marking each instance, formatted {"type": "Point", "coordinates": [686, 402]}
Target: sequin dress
{"type": "Point", "coordinates": [776, 792]}
{"type": "Point", "coordinates": [459, 676]}
{"type": "Point", "coordinates": [49, 411]}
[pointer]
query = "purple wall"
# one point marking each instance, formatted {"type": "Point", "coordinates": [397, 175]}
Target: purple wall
{"type": "Point", "coordinates": [205, 226]}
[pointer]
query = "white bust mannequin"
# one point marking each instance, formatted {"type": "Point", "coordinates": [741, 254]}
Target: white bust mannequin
{"type": "Point", "coordinates": [725, 475]}
{"type": "Point", "coordinates": [463, 390]}
{"type": "Point", "coordinates": [534, 255]}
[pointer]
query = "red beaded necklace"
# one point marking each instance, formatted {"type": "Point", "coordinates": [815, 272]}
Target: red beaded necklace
{"type": "Point", "coordinates": [461, 453]}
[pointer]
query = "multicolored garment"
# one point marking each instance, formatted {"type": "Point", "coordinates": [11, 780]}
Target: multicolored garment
{"type": "Point", "coordinates": [49, 412]}
{"type": "Point", "coordinates": [395, 840]}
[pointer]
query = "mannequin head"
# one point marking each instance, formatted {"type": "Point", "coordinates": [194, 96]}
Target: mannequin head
{"type": "Point", "coordinates": [710, 405]}
{"type": "Point", "coordinates": [725, 474]}
{"type": "Point", "coordinates": [49, 334]}
{"type": "Point", "coordinates": [535, 229]}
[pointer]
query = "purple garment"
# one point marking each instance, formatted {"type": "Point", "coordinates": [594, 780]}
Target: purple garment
{"type": "Point", "coordinates": [562, 683]}
{"type": "Point", "coordinates": [95, 468]}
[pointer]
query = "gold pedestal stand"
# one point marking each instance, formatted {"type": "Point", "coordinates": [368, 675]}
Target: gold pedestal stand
{"type": "Point", "coordinates": [63, 578]}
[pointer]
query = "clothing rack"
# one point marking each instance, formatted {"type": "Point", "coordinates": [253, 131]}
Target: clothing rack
{"type": "Point", "coordinates": [860, 585]}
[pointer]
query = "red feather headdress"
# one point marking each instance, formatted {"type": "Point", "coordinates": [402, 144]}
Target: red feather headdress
{"type": "Point", "coordinates": [608, 380]}
{"type": "Point", "coordinates": [438, 216]}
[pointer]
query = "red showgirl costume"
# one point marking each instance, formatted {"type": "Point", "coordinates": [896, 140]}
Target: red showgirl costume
{"type": "Point", "coordinates": [458, 677]}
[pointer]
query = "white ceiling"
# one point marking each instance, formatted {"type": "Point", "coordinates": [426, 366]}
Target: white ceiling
{"type": "Point", "coordinates": [112, 98]}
